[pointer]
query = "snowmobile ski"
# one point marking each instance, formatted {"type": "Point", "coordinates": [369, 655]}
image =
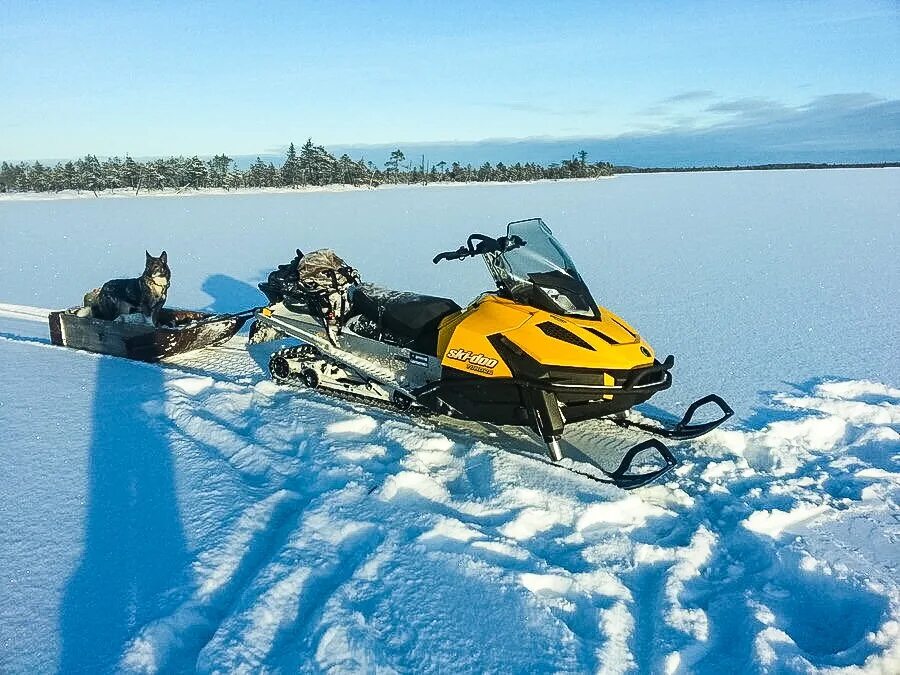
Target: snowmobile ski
{"type": "Point", "coordinates": [685, 429]}
{"type": "Point", "coordinates": [622, 477]}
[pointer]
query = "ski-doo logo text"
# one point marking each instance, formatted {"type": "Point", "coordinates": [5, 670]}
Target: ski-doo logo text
{"type": "Point", "coordinates": [476, 362]}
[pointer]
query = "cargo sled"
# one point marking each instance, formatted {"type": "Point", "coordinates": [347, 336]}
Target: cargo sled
{"type": "Point", "coordinates": [179, 331]}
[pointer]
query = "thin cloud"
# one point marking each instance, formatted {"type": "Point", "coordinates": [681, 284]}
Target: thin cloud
{"type": "Point", "coordinates": [854, 16]}
{"type": "Point", "coordinates": [848, 122]}
{"type": "Point", "coordinates": [748, 106]}
{"type": "Point", "coordinates": [517, 106]}
{"type": "Point", "coordinates": [851, 101]}
{"type": "Point", "coordinates": [690, 96]}
{"type": "Point", "coordinates": [673, 106]}
{"type": "Point", "coordinates": [822, 112]}
{"type": "Point", "coordinates": [845, 127]}
{"type": "Point", "coordinates": [657, 111]}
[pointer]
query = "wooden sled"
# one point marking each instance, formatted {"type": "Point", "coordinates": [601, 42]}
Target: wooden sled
{"type": "Point", "coordinates": [179, 331]}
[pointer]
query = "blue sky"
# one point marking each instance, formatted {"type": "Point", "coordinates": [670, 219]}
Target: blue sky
{"type": "Point", "coordinates": [246, 78]}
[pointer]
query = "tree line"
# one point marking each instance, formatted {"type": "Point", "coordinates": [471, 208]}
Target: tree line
{"type": "Point", "coordinates": [310, 165]}
{"type": "Point", "coordinates": [756, 167]}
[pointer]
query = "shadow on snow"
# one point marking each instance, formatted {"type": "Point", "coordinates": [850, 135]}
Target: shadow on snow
{"type": "Point", "coordinates": [134, 544]}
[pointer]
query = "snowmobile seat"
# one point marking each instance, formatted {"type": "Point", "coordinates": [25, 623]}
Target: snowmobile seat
{"type": "Point", "coordinates": [411, 317]}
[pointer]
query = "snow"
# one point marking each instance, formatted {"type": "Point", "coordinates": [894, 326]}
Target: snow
{"type": "Point", "coordinates": [197, 517]}
{"type": "Point", "coordinates": [774, 522]}
{"type": "Point", "coordinates": [631, 511]}
{"type": "Point", "coordinates": [361, 425]}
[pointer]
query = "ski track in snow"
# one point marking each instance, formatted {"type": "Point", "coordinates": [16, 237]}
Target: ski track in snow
{"type": "Point", "coordinates": [327, 536]}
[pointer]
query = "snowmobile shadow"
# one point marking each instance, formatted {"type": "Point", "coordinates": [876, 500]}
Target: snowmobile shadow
{"type": "Point", "coordinates": [134, 548]}
{"type": "Point", "coordinates": [581, 448]}
{"type": "Point", "coordinates": [230, 294]}
{"type": "Point", "coordinates": [661, 414]}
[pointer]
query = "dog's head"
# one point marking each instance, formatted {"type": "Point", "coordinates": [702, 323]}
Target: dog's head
{"type": "Point", "coordinates": [157, 268]}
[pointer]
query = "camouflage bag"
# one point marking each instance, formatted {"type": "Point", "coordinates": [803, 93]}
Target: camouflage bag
{"type": "Point", "coordinates": [327, 280]}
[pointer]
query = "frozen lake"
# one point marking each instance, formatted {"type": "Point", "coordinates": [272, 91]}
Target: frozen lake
{"type": "Point", "coordinates": [754, 280]}
{"type": "Point", "coordinates": [163, 519]}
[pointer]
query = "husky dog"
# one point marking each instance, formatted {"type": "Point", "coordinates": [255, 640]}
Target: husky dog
{"type": "Point", "coordinates": [146, 294]}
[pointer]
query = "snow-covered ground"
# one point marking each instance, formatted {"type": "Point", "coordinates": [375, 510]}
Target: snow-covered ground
{"type": "Point", "coordinates": [196, 516]}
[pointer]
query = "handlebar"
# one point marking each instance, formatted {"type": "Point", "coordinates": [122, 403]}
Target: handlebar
{"type": "Point", "coordinates": [479, 244]}
{"type": "Point", "coordinates": [458, 254]}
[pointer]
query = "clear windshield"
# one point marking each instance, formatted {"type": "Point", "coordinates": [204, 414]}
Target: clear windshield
{"type": "Point", "coordinates": [536, 270]}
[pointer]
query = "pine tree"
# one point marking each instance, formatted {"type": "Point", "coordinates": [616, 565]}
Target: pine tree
{"type": "Point", "coordinates": [159, 174]}
{"type": "Point", "coordinates": [290, 170]}
{"type": "Point", "coordinates": [316, 164]}
{"type": "Point", "coordinates": [256, 176]}
{"type": "Point", "coordinates": [92, 173]}
{"type": "Point", "coordinates": [196, 173]}
{"type": "Point", "coordinates": [218, 170]}
{"type": "Point", "coordinates": [273, 176]}
{"type": "Point", "coordinates": [112, 172]}
{"type": "Point", "coordinates": [392, 165]}
{"type": "Point", "coordinates": [131, 172]}
{"type": "Point", "coordinates": [6, 177]}
{"type": "Point", "coordinates": [38, 178]}
{"type": "Point", "coordinates": [439, 170]}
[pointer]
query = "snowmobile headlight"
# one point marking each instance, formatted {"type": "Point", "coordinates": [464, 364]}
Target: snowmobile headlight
{"type": "Point", "coordinates": [565, 302]}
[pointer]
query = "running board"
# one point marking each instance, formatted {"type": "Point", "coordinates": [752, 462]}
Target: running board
{"type": "Point", "coordinates": [684, 430]}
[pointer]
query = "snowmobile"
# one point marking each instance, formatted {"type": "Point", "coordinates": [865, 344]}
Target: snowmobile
{"type": "Point", "coordinates": [536, 352]}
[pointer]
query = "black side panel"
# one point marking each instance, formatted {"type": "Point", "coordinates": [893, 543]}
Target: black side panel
{"type": "Point", "coordinates": [576, 412]}
{"type": "Point", "coordinates": [578, 405]}
{"type": "Point", "coordinates": [495, 400]}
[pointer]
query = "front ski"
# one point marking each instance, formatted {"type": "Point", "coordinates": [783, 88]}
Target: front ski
{"type": "Point", "coordinates": [621, 477]}
{"type": "Point", "coordinates": [684, 429]}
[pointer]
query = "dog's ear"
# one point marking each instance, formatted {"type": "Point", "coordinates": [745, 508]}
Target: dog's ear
{"type": "Point", "coordinates": [164, 257]}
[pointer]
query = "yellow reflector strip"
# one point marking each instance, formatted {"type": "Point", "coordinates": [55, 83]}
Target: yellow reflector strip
{"type": "Point", "coordinates": [608, 380]}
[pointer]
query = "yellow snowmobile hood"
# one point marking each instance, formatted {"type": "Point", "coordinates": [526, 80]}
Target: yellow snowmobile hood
{"type": "Point", "coordinates": [607, 343]}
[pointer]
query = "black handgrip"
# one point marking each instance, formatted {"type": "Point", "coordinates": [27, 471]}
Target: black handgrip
{"type": "Point", "coordinates": [480, 244]}
{"type": "Point", "coordinates": [458, 254]}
